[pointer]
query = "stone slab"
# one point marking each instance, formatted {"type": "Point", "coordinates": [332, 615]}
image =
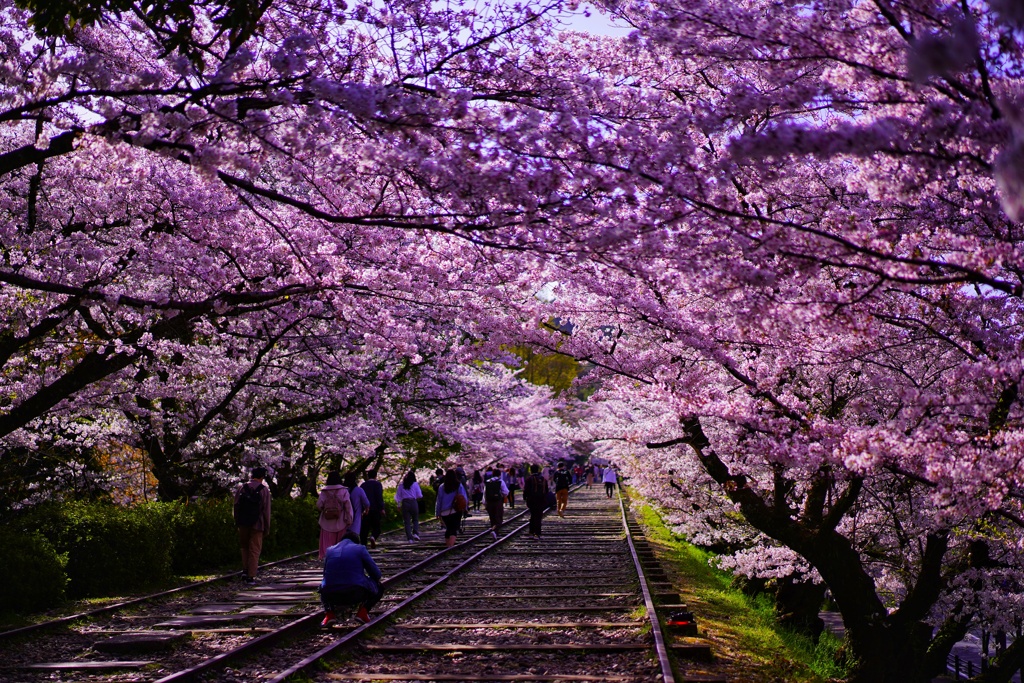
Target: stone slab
{"type": "Point", "coordinates": [217, 608]}
{"type": "Point", "coordinates": [276, 596]}
{"type": "Point", "coordinates": [84, 666]}
{"type": "Point", "coordinates": [140, 641]}
{"type": "Point", "coordinates": [185, 621]}
{"type": "Point", "coordinates": [267, 610]}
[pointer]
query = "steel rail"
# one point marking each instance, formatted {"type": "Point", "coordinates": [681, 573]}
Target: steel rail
{"type": "Point", "coordinates": [152, 596]}
{"type": "Point", "coordinates": [310, 620]}
{"type": "Point", "coordinates": [135, 601]}
{"type": "Point", "coordinates": [304, 664]}
{"type": "Point", "coordinates": [307, 662]}
{"type": "Point", "coordinates": [660, 649]}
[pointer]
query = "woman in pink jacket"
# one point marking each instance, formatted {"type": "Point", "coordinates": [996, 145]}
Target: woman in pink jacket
{"type": "Point", "coordinates": [335, 506]}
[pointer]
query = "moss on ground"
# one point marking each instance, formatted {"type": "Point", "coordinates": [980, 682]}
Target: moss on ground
{"type": "Point", "coordinates": [748, 645]}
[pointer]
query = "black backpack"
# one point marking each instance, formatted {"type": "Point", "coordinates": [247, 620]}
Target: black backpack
{"type": "Point", "coordinates": [492, 488]}
{"type": "Point", "coordinates": [563, 480]}
{"type": "Point", "coordinates": [533, 488]}
{"type": "Point", "coordinates": [249, 505]}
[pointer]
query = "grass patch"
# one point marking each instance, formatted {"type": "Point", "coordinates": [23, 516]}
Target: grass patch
{"type": "Point", "coordinates": [749, 645]}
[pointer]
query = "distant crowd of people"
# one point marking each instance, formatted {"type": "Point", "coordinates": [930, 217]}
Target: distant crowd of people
{"type": "Point", "coordinates": [351, 514]}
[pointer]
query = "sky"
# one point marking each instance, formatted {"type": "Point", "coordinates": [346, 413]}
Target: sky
{"type": "Point", "coordinates": [596, 23]}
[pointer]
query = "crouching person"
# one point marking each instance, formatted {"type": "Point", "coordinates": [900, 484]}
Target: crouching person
{"type": "Point", "coordinates": [351, 579]}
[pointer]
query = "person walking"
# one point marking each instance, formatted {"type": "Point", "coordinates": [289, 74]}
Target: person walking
{"type": "Point", "coordinates": [562, 480]}
{"type": "Point", "coordinates": [590, 476]}
{"type": "Point", "coordinates": [436, 478]}
{"type": "Point", "coordinates": [512, 482]}
{"type": "Point", "coordinates": [408, 495]}
{"type": "Point", "coordinates": [476, 491]}
{"type": "Point", "coordinates": [610, 479]}
{"type": "Point", "coordinates": [535, 494]}
{"type": "Point", "coordinates": [495, 492]}
{"type": "Point", "coordinates": [336, 514]}
{"type": "Point", "coordinates": [252, 517]}
{"type": "Point", "coordinates": [374, 490]}
{"type": "Point", "coordinates": [351, 578]}
{"type": "Point", "coordinates": [450, 505]}
{"type": "Point", "coordinates": [360, 503]}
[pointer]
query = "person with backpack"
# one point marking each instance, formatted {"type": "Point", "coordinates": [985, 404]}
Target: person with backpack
{"type": "Point", "coordinates": [535, 493]}
{"type": "Point", "coordinates": [252, 517]}
{"type": "Point", "coordinates": [452, 503]}
{"type": "Point", "coordinates": [336, 513]}
{"type": "Point", "coordinates": [374, 491]}
{"type": "Point", "coordinates": [562, 480]}
{"type": "Point", "coordinates": [495, 492]}
{"type": "Point", "coordinates": [407, 495]}
{"type": "Point", "coordinates": [360, 503]}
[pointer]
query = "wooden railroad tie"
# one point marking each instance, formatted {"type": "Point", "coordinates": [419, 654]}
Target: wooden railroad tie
{"type": "Point", "coordinates": [82, 666]}
{"type": "Point", "coordinates": [701, 651]}
{"type": "Point", "coordinates": [608, 608]}
{"type": "Point", "coordinates": [529, 624]}
{"type": "Point", "coordinates": [470, 677]}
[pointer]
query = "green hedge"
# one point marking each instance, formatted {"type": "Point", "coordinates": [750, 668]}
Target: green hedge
{"type": "Point", "coordinates": [393, 512]}
{"type": "Point", "coordinates": [91, 549]}
{"type": "Point", "coordinates": [109, 548]}
{"type": "Point", "coordinates": [32, 572]}
{"type": "Point", "coordinates": [293, 527]}
{"type": "Point", "coordinates": [204, 536]}
{"type": "Point", "coordinates": [99, 549]}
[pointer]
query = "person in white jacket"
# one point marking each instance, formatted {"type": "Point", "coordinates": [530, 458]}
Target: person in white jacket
{"type": "Point", "coordinates": [610, 479]}
{"type": "Point", "coordinates": [408, 495]}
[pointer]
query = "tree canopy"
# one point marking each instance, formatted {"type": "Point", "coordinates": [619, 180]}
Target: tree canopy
{"type": "Point", "coordinates": [776, 246]}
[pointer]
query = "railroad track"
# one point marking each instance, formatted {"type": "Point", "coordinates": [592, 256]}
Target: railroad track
{"type": "Point", "coordinates": [182, 633]}
{"type": "Point", "coordinates": [575, 605]}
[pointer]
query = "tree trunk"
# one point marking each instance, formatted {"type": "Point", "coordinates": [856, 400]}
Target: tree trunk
{"type": "Point", "coordinates": [890, 653]}
{"type": "Point", "coordinates": [797, 604]}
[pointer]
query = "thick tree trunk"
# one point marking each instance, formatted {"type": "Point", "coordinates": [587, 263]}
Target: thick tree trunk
{"type": "Point", "coordinates": [797, 604]}
{"type": "Point", "coordinates": [889, 653]}
{"type": "Point", "coordinates": [887, 648]}
{"type": "Point", "coordinates": [170, 484]}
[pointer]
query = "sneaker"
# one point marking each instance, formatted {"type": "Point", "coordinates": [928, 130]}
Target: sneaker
{"type": "Point", "coordinates": [494, 534]}
{"type": "Point", "coordinates": [363, 615]}
{"type": "Point", "coordinates": [415, 537]}
{"type": "Point", "coordinates": [329, 619]}
{"type": "Point", "coordinates": [250, 580]}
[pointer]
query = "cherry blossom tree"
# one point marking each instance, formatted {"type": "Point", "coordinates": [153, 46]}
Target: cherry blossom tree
{"type": "Point", "coordinates": [805, 295]}
{"type": "Point", "coordinates": [250, 222]}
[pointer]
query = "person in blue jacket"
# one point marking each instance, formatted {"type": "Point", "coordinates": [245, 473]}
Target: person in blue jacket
{"type": "Point", "coordinates": [351, 577]}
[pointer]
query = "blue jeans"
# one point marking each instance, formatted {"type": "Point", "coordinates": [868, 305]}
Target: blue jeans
{"type": "Point", "coordinates": [350, 596]}
{"type": "Point", "coordinates": [411, 517]}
